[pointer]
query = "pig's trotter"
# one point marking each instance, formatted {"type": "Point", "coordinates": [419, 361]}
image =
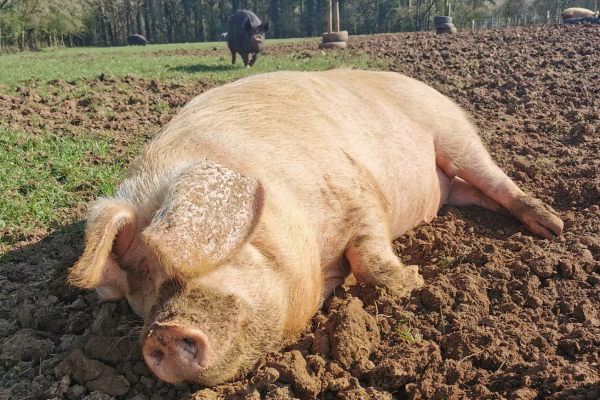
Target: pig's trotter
{"type": "Point", "coordinates": [373, 261]}
{"type": "Point", "coordinates": [537, 216]}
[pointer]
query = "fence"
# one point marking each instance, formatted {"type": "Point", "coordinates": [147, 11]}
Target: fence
{"type": "Point", "coordinates": [520, 20]}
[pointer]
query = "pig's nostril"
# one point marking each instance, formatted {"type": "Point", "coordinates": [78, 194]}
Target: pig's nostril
{"type": "Point", "coordinates": [188, 345]}
{"type": "Point", "coordinates": [158, 355]}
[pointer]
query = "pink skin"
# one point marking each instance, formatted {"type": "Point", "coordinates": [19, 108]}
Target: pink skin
{"type": "Point", "coordinates": [176, 354]}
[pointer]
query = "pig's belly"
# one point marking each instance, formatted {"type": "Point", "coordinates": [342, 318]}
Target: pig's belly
{"type": "Point", "coordinates": [414, 199]}
{"type": "Point", "coordinates": [406, 175]}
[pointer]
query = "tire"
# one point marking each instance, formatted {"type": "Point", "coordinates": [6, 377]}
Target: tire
{"type": "Point", "coordinates": [332, 45]}
{"type": "Point", "coordinates": [341, 36]}
{"type": "Point", "coordinates": [442, 20]}
{"type": "Point", "coordinates": [445, 26]}
{"type": "Point", "coordinates": [446, 30]}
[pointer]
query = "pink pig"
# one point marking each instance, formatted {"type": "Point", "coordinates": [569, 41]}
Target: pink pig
{"type": "Point", "coordinates": [262, 195]}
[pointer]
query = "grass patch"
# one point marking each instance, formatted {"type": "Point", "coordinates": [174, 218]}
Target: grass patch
{"type": "Point", "coordinates": [169, 62]}
{"type": "Point", "coordinates": [44, 176]}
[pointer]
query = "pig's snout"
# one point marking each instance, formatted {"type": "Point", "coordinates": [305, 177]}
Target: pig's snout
{"type": "Point", "coordinates": [176, 354]}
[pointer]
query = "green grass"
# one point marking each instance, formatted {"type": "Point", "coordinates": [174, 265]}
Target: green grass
{"type": "Point", "coordinates": [44, 175]}
{"type": "Point", "coordinates": [158, 61]}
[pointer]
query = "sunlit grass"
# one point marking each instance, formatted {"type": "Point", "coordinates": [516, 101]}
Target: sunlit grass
{"type": "Point", "coordinates": [177, 62]}
{"type": "Point", "coordinates": [44, 175]}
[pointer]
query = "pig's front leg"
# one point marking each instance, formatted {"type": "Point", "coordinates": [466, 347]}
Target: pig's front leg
{"type": "Point", "coordinates": [245, 58]}
{"type": "Point", "coordinates": [253, 59]}
{"type": "Point", "coordinates": [233, 54]}
{"type": "Point", "coordinates": [372, 261]}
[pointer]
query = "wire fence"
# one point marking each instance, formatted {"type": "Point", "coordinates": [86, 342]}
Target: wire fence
{"type": "Point", "coordinates": [507, 22]}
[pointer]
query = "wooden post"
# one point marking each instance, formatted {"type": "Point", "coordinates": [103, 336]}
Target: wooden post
{"type": "Point", "coordinates": [337, 16]}
{"type": "Point", "coordinates": [472, 24]}
{"type": "Point", "coordinates": [548, 17]}
{"type": "Point", "coordinates": [329, 16]}
{"type": "Point", "coordinates": [0, 41]}
{"type": "Point", "coordinates": [448, 9]}
{"type": "Point", "coordinates": [525, 20]}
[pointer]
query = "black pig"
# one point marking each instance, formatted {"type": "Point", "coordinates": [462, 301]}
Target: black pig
{"type": "Point", "coordinates": [245, 35]}
{"type": "Point", "coordinates": [136, 39]}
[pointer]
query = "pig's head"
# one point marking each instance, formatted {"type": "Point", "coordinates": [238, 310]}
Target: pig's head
{"type": "Point", "coordinates": [257, 34]}
{"type": "Point", "coordinates": [188, 266]}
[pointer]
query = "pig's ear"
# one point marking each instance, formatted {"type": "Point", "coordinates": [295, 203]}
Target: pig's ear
{"type": "Point", "coordinates": [109, 233]}
{"type": "Point", "coordinates": [207, 216]}
{"type": "Point", "coordinates": [266, 25]}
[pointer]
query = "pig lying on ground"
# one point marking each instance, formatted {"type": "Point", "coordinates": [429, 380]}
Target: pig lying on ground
{"type": "Point", "coordinates": [575, 12]}
{"type": "Point", "coordinates": [259, 197]}
{"type": "Point", "coordinates": [136, 39]}
{"type": "Point", "coordinates": [246, 35]}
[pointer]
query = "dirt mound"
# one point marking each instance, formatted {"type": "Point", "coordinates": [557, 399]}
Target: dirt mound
{"type": "Point", "coordinates": [503, 314]}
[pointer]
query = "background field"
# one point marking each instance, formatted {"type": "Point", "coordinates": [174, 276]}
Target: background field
{"type": "Point", "coordinates": [504, 314]}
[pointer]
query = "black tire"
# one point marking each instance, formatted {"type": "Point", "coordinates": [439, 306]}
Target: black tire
{"type": "Point", "coordinates": [445, 26]}
{"type": "Point", "coordinates": [341, 36]}
{"type": "Point", "coordinates": [442, 20]}
{"type": "Point", "coordinates": [446, 30]}
{"type": "Point", "coordinates": [332, 45]}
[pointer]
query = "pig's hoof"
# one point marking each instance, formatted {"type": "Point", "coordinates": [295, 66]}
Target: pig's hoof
{"type": "Point", "coordinates": [405, 281]}
{"type": "Point", "coordinates": [538, 217]}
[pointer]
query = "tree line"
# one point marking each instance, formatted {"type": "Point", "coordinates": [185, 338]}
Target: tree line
{"type": "Point", "coordinates": [32, 24]}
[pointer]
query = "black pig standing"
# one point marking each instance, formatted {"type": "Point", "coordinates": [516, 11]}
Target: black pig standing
{"type": "Point", "coordinates": [136, 39]}
{"type": "Point", "coordinates": [245, 35]}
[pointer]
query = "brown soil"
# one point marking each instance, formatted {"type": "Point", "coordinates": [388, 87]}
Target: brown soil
{"type": "Point", "coordinates": [503, 315]}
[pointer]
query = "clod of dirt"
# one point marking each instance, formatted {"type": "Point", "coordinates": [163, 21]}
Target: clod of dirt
{"type": "Point", "coordinates": [292, 369]}
{"type": "Point", "coordinates": [94, 375]}
{"type": "Point", "coordinates": [26, 345]}
{"type": "Point", "coordinates": [354, 332]}
{"type": "Point", "coordinates": [405, 365]}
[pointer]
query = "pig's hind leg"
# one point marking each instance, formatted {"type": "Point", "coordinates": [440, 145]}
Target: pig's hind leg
{"type": "Point", "coordinates": [462, 155]}
{"type": "Point", "coordinates": [457, 192]}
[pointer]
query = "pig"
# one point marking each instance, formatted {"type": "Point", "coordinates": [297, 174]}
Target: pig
{"type": "Point", "coordinates": [261, 196]}
{"type": "Point", "coordinates": [246, 35]}
{"type": "Point", "coordinates": [575, 12]}
{"type": "Point", "coordinates": [136, 39]}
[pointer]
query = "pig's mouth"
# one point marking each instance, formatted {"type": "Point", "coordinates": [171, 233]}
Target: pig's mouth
{"type": "Point", "coordinates": [175, 353]}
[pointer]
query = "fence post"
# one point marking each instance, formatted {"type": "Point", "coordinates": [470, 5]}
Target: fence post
{"type": "Point", "coordinates": [0, 41]}
{"type": "Point", "coordinates": [472, 24]}
{"type": "Point", "coordinates": [337, 16]}
{"type": "Point", "coordinates": [548, 17]}
{"type": "Point", "coordinates": [329, 17]}
{"type": "Point", "coordinates": [525, 20]}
